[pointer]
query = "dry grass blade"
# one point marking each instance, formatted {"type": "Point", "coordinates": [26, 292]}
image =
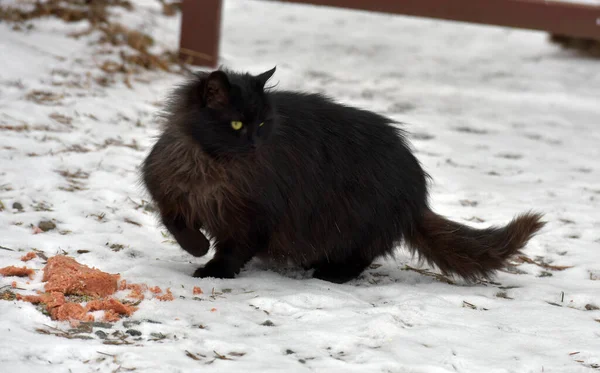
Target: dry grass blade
{"type": "Point", "coordinates": [62, 334]}
{"type": "Point", "coordinates": [554, 304]}
{"type": "Point", "coordinates": [170, 9]}
{"type": "Point", "coordinates": [503, 294]}
{"type": "Point", "coordinates": [8, 295]}
{"type": "Point", "coordinates": [111, 32]}
{"type": "Point", "coordinates": [127, 220]}
{"type": "Point", "coordinates": [100, 216]}
{"type": "Point", "coordinates": [40, 254]}
{"type": "Point", "coordinates": [42, 97]}
{"type": "Point", "coordinates": [221, 357]}
{"type": "Point", "coordinates": [73, 175]}
{"type": "Point", "coordinates": [67, 10]}
{"type": "Point", "coordinates": [116, 342]}
{"type": "Point", "coordinates": [525, 259]}
{"type": "Point", "coordinates": [469, 305]}
{"type": "Point", "coordinates": [425, 272]}
{"type": "Point", "coordinates": [193, 356]}
{"type": "Point", "coordinates": [472, 306]}
{"type": "Point", "coordinates": [116, 142]}
{"type": "Point", "coordinates": [62, 119]}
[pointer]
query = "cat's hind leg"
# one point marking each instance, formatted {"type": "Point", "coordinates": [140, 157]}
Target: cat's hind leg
{"type": "Point", "coordinates": [341, 271]}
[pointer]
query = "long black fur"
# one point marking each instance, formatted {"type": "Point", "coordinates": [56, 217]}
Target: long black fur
{"type": "Point", "coordinates": [324, 185]}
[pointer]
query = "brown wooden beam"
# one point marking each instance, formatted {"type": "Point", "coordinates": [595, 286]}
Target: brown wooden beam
{"type": "Point", "coordinates": [201, 19]}
{"type": "Point", "coordinates": [200, 32]}
{"type": "Point", "coordinates": [580, 20]}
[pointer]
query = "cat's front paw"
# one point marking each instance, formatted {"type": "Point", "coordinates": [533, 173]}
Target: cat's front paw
{"type": "Point", "coordinates": [214, 269]}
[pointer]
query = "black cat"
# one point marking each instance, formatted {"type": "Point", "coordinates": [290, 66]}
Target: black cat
{"type": "Point", "coordinates": [296, 177]}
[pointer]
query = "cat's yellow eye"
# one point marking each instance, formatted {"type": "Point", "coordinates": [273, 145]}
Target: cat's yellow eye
{"type": "Point", "coordinates": [236, 125]}
{"type": "Point", "coordinates": [260, 125]}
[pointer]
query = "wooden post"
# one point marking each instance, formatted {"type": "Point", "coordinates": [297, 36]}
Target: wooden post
{"type": "Point", "coordinates": [200, 32]}
{"type": "Point", "coordinates": [571, 19]}
{"type": "Point", "coordinates": [201, 19]}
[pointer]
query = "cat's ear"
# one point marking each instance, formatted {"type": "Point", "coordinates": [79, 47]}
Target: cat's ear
{"type": "Point", "coordinates": [262, 78]}
{"type": "Point", "coordinates": [216, 90]}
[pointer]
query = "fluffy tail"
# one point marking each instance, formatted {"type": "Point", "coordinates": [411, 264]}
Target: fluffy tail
{"type": "Point", "coordinates": [468, 252]}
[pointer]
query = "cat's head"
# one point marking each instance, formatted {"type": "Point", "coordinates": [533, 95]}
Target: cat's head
{"type": "Point", "coordinates": [226, 112]}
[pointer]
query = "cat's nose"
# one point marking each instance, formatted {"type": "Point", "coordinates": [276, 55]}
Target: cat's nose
{"type": "Point", "coordinates": [255, 142]}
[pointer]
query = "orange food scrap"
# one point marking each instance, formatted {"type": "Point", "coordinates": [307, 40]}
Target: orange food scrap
{"type": "Point", "coordinates": [65, 275]}
{"type": "Point", "coordinates": [111, 316]}
{"type": "Point", "coordinates": [53, 300]}
{"type": "Point", "coordinates": [156, 290]}
{"type": "Point", "coordinates": [35, 299]}
{"type": "Point", "coordinates": [110, 304]}
{"type": "Point", "coordinates": [213, 310]}
{"type": "Point", "coordinates": [58, 307]}
{"type": "Point", "coordinates": [30, 255]}
{"type": "Point", "coordinates": [136, 294]}
{"type": "Point", "coordinates": [197, 290]}
{"type": "Point", "coordinates": [13, 284]}
{"type": "Point", "coordinates": [70, 311]}
{"type": "Point", "coordinates": [166, 297]}
{"type": "Point", "coordinates": [137, 290]}
{"type": "Point", "coordinates": [16, 271]}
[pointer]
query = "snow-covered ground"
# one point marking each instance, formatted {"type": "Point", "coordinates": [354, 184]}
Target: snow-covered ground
{"type": "Point", "coordinates": [503, 120]}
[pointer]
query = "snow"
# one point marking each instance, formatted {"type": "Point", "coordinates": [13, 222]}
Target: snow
{"type": "Point", "coordinates": [503, 120]}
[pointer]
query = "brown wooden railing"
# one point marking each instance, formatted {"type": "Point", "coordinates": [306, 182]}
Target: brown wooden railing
{"type": "Point", "coordinates": [201, 19]}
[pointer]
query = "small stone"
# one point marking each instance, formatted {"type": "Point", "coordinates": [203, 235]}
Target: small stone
{"type": "Point", "coordinates": [18, 206]}
{"type": "Point", "coordinates": [129, 324]}
{"type": "Point", "coordinates": [515, 270]}
{"type": "Point", "coordinates": [591, 307]}
{"type": "Point", "coordinates": [133, 332]}
{"type": "Point", "coordinates": [46, 225]}
{"type": "Point", "coordinates": [289, 352]}
{"type": "Point", "coordinates": [150, 207]}
{"type": "Point", "coordinates": [99, 324]}
{"type": "Point", "coordinates": [100, 334]}
{"type": "Point", "coordinates": [268, 323]}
